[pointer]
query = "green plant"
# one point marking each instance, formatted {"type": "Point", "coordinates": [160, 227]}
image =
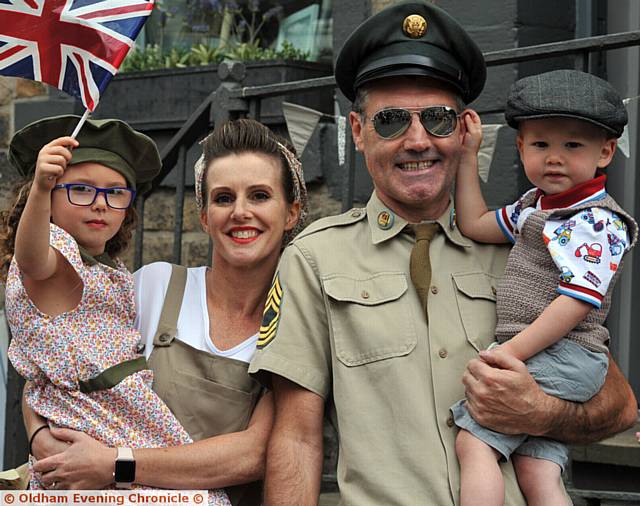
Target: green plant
{"type": "Point", "coordinates": [151, 58]}
{"type": "Point", "coordinates": [205, 55]}
{"type": "Point", "coordinates": [148, 58]}
{"type": "Point", "coordinates": [290, 52]}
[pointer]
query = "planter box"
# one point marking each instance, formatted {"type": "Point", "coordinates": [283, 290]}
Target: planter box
{"type": "Point", "coordinates": [162, 99]}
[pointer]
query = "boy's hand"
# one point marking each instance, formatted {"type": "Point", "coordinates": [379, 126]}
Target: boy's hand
{"type": "Point", "coordinates": [52, 162]}
{"type": "Point", "coordinates": [473, 134]}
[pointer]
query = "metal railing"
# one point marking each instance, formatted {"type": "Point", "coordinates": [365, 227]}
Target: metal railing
{"type": "Point", "coordinates": [232, 100]}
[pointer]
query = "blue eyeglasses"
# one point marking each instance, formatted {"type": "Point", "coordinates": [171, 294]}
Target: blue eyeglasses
{"type": "Point", "coordinates": [82, 194]}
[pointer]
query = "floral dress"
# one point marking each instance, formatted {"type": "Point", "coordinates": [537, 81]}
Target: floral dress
{"type": "Point", "coordinates": [56, 352]}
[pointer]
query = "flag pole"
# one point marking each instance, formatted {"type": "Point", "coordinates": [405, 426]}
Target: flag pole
{"type": "Point", "coordinates": [84, 118]}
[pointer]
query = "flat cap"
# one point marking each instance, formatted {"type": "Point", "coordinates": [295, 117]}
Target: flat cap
{"type": "Point", "coordinates": [110, 142]}
{"type": "Point", "coordinates": [569, 94]}
{"type": "Point", "coordinates": [411, 39]}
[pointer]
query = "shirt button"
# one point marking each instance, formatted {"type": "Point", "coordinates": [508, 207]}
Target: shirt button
{"type": "Point", "coordinates": [450, 421]}
{"type": "Point", "coordinates": [364, 294]}
{"type": "Point", "coordinates": [164, 338]}
{"type": "Point", "coordinates": [356, 214]}
{"type": "Point", "coordinates": [443, 353]}
{"type": "Point", "coordinates": [434, 290]}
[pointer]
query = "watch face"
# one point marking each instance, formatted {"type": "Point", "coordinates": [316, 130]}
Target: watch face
{"type": "Point", "coordinates": [125, 471]}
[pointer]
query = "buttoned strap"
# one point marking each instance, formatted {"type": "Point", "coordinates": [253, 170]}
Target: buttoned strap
{"type": "Point", "coordinates": [110, 377]}
{"type": "Point", "coordinates": [168, 323]}
{"type": "Point", "coordinates": [419, 264]}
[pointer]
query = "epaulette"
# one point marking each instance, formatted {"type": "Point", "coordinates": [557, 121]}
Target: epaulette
{"type": "Point", "coordinates": [352, 216]}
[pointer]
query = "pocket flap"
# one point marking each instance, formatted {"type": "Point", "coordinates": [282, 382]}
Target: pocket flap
{"type": "Point", "coordinates": [477, 285]}
{"type": "Point", "coordinates": [383, 287]}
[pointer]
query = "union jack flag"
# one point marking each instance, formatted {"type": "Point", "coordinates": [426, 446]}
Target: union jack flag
{"type": "Point", "coordinates": [74, 45]}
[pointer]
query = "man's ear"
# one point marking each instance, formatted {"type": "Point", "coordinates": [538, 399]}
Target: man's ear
{"type": "Point", "coordinates": [463, 127]}
{"type": "Point", "coordinates": [356, 122]}
{"type": "Point", "coordinates": [607, 152]}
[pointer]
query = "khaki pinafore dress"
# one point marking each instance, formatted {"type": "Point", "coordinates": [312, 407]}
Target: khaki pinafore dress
{"type": "Point", "coordinates": [209, 394]}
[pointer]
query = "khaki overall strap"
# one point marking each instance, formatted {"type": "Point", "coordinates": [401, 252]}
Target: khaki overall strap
{"type": "Point", "coordinates": [168, 323]}
{"type": "Point", "coordinates": [110, 377]}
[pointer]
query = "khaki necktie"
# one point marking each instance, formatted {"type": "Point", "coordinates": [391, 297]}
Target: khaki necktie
{"type": "Point", "coordinates": [419, 265]}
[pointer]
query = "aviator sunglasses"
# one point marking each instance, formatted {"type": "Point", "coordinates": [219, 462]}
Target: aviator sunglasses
{"type": "Point", "coordinates": [437, 120]}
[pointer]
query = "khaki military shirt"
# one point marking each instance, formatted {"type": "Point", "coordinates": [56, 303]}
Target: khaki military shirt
{"type": "Point", "coordinates": [347, 324]}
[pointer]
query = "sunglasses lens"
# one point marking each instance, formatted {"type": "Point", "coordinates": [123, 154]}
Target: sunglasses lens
{"type": "Point", "coordinates": [439, 121]}
{"type": "Point", "coordinates": [390, 123]}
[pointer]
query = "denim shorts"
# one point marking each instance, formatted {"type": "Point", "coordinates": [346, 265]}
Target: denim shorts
{"type": "Point", "coordinates": [565, 370]}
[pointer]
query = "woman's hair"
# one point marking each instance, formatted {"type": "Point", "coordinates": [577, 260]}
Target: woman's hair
{"type": "Point", "coordinates": [10, 217]}
{"type": "Point", "coordinates": [241, 136]}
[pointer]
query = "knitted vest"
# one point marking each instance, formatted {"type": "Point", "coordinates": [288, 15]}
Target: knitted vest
{"type": "Point", "coordinates": [531, 278]}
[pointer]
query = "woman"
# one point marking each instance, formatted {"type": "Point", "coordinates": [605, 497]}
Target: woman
{"type": "Point", "coordinates": [200, 332]}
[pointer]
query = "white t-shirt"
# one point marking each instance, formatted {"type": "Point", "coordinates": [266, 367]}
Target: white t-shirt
{"type": "Point", "coordinates": [151, 282]}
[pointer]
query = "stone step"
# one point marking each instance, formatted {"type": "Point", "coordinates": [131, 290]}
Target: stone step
{"type": "Point", "coordinates": [609, 470]}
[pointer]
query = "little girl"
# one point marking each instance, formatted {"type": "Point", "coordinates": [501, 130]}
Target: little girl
{"type": "Point", "coordinates": [69, 299]}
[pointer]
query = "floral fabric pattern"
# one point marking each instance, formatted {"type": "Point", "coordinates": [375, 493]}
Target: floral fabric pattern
{"type": "Point", "coordinates": [56, 352]}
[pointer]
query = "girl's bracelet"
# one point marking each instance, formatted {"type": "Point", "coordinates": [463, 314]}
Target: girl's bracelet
{"type": "Point", "coordinates": [33, 436]}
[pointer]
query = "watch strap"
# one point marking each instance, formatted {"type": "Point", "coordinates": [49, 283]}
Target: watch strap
{"type": "Point", "coordinates": [124, 468]}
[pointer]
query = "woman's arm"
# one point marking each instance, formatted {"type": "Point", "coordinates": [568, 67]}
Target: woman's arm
{"type": "Point", "coordinates": [502, 395]}
{"type": "Point", "coordinates": [220, 461]}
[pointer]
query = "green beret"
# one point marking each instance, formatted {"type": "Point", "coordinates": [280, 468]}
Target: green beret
{"type": "Point", "coordinates": [411, 39]}
{"type": "Point", "coordinates": [110, 142]}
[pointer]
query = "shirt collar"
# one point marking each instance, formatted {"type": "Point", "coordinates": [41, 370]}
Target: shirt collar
{"type": "Point", "coordinates": [103, 258]}
{"type": "Point", "coordinates": [584, 192]}
{"type": "Point", "coordinates": [385, 224]}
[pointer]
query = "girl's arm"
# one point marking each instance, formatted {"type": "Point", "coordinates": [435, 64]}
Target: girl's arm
{"type": "Point", "coordinates": [555, 322]}
{"type": "Point", "coordinates": [220, 461]}
{"type": "Point", "coordinates": [473, 217]}
{"type": "Point", "coordinates": [43, 444]}
{"type": "Point", "coordinates": [36, 259]}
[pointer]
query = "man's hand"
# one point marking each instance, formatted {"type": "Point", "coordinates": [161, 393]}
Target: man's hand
{"type": "Point", "coordinates": [84, 465]}
{"type": "Point", "coordinates": [502, 395]}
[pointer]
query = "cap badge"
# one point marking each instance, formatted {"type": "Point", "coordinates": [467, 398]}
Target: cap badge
{"type": "Point", "coordinates": [414, 26]}
{"type": "Point", "coordinates": [385, 220]}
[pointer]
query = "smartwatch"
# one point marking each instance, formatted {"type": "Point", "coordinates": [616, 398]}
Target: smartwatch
{"type": "Point", "coordinates": [124, 473]}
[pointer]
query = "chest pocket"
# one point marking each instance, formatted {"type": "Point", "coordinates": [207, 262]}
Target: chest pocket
{"type": "Point", "coordinates": [476, 297]}
{"type": "Point", "coordinates": [370, 318]}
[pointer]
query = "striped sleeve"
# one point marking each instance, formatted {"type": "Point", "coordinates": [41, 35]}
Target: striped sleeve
{"type": "Point", "coordinates": [507, 218]}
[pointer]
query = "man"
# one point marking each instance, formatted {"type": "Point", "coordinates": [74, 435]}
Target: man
{"type": "Point", "coordinates": [357, 318]}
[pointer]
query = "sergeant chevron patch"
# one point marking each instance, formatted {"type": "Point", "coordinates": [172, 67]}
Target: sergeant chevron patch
{"type": "Point", "coordinates": [271, 315]}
